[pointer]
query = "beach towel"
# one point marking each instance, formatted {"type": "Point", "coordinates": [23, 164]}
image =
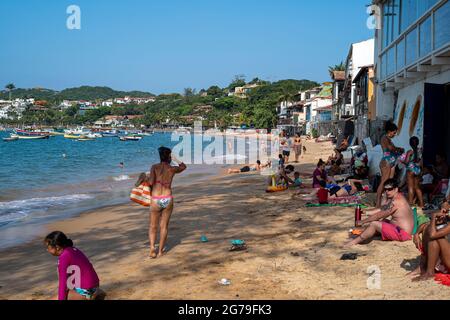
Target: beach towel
{"type": "Point", "coordinates": [343, 200]}
{"type": "Point", "coordinates": [344, 205]}
{"type": "Point", "coordinates": [443, 279]}
{"type": "Point", "coordinates": [142, 195]}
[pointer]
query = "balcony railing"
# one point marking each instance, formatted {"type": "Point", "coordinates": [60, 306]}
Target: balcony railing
{"type": "Point", "coordinates": [419, 43]}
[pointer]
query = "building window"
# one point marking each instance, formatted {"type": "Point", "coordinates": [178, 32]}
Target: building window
{"type": "Point", "coordinates": [411, 10]}
{"type": "Point", "coordinates": [390, 62]}
{"type": "Point", "coordinates": [391, 21]}
{"type": "Point", "coordinates": [425, 37]}
{"type": "Point", "coordinates": [401, 54]}
{"type": "Point", "coordinates": [383, 66]}
{"type": "Point", "coordinates": [409, 13]}
{"type": "Point", "coordinates": [411, 47]}
{"type": "Point", "coordinates": [424, 5]}
{"type": "Point", "coordinates": [442, 26]}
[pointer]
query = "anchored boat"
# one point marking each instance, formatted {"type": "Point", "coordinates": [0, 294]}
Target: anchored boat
{"type": "Point", "coordinates": [130, 138]}
{"type": "Point", "coordinates": [15, 138]}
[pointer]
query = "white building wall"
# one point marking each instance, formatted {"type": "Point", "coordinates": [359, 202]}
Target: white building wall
{"type": "Point", "coordinates": [385, 110]}
{"type": "Point", "coordinates": [362, 54]}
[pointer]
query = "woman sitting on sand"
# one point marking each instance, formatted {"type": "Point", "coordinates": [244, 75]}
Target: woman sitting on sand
{"type": "Point", "coordinates": [434, 245]}
{"type": "Point", "coordinates": [320, 174]}
{"type": "Point", "coordinates": [74, 269]}
{"type": "Point", "coordinates": [161, 177]}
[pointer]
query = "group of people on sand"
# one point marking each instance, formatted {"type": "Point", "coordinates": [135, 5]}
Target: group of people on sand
{"type": "Point", "coordinates": [394, 218]}
{"type": "Point", "coordinates": [78, 279]}
{"type": "Point", "coordinates": [289, 144]}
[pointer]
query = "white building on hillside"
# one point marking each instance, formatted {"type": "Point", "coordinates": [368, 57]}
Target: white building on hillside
{"type": "Point", "coordinates": [108, 103]}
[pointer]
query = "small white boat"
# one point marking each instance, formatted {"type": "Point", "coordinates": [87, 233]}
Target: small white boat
{"type": "Point", "coordinates": [93, 135]}
{"type": "Point", "coordinates": [85, 139]}
{"type": "Point", "coordinates": [15, 138]}
{"type": "Point", "coordinates": [34, 137]}
{"type": "Point", "coordinates": [130, 138]}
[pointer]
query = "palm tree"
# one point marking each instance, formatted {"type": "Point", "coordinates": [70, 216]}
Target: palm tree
{"type": "Point", "coordinates": [337, 67]}
{"type": "Point", "coordinates": [10, 87]}
{"type": "Point", "coordinates": [286, 97]}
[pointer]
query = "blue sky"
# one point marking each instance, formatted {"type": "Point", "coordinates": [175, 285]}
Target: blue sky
{"type": "Point", "coordinates": [165, 46]}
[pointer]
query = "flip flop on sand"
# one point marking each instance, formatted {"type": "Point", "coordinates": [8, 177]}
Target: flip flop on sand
{"type": "Point", "coordinates": [238, 247]}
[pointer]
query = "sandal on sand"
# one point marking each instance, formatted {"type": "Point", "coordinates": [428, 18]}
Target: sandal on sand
{"type": "Point", "coordinates": [239, 247]}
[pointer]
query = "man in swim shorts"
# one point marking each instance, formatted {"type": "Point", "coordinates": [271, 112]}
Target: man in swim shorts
{"type": "Point", "coordinates": [398, 228]}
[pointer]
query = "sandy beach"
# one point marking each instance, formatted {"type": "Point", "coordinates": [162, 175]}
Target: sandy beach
{"type": "Point", "coordinates": [293, 252]}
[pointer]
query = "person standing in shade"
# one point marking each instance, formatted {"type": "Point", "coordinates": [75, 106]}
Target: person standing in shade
{"type": "Point", "coordinates": [389, 160]}
{"type": "Point", "coordinates": [414, 169]}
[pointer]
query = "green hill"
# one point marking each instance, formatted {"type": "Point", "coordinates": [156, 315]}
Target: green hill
{"type": "Point", "coordinates": [80, 93]}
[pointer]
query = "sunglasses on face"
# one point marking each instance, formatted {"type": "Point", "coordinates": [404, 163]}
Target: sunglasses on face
{"type": "Point", "coordinates": [388, 189]}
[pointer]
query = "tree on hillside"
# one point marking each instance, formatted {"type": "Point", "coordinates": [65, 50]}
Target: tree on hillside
{"type": "Point", "coordinates": [10, 87]}
{"type": "Point", "coordinates": [215, 91]}
{"type": "Point", "coordinates": [265, 117]}
{"type": "Point", "coordinates": [189, 92]}
{"type": "Point", "coordinates": [238, 81]}
{"type": "Point", "coordinates": [255, 81]}
{"type": "Point", "coordinates": [286, 96]}
{"type": "Point", "coordinates": [337, 67]}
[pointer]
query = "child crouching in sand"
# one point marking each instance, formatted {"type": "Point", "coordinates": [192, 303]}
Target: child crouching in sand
{"type": "Point", "coordinates": [77, 277]}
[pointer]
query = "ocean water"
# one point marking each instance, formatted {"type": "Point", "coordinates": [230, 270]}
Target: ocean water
{"type": "Point", "coordinates": [47, 180]}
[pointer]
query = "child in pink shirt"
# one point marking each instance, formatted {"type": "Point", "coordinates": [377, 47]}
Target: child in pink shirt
{"type": "Point", "coordinates": [77, 277]}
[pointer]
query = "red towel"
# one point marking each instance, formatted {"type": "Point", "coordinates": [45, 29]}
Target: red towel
{"type": "Point", "coordinates": [443, 279]}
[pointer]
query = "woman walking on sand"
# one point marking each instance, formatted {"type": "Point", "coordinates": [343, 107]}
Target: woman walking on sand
{"type": "Point", "coordinates": [161, 177]}
{"type": "Point", "coordinates": [389, 160]}
{"type": "Point", "coordinates": [297, 147]}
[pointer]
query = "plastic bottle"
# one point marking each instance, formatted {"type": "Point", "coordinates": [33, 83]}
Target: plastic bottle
{"type": "Point", "coordinates": [358, 215]}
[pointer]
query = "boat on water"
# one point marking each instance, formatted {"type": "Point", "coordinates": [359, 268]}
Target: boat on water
{"type": "Point", "coordinates": [29, 133]}
{"type": "Point", "coordinates": [72, 136]}
{"type": "Point", "coordinates": [15, 138]}
{"type": "Point", "coordinates": [79, 131]}
{"type": "Point", "coordinates": [85, 138]}
{"type": "Point", "coordinates": [109, 134]}
{"type": "Point", "coordinates": [94, 135]}
{"type": "Point", "coordinates": [30, 137]}
{"type": "Point", "coordinates": [57, 132]}
{"type": "Point", "coordinates": [130, 138]}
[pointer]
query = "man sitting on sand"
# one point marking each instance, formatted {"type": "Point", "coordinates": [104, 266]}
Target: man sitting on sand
{"type": "Point", "coordinates": [399, 228]}
{"type": "Point", "coordinates": [255, 167]}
